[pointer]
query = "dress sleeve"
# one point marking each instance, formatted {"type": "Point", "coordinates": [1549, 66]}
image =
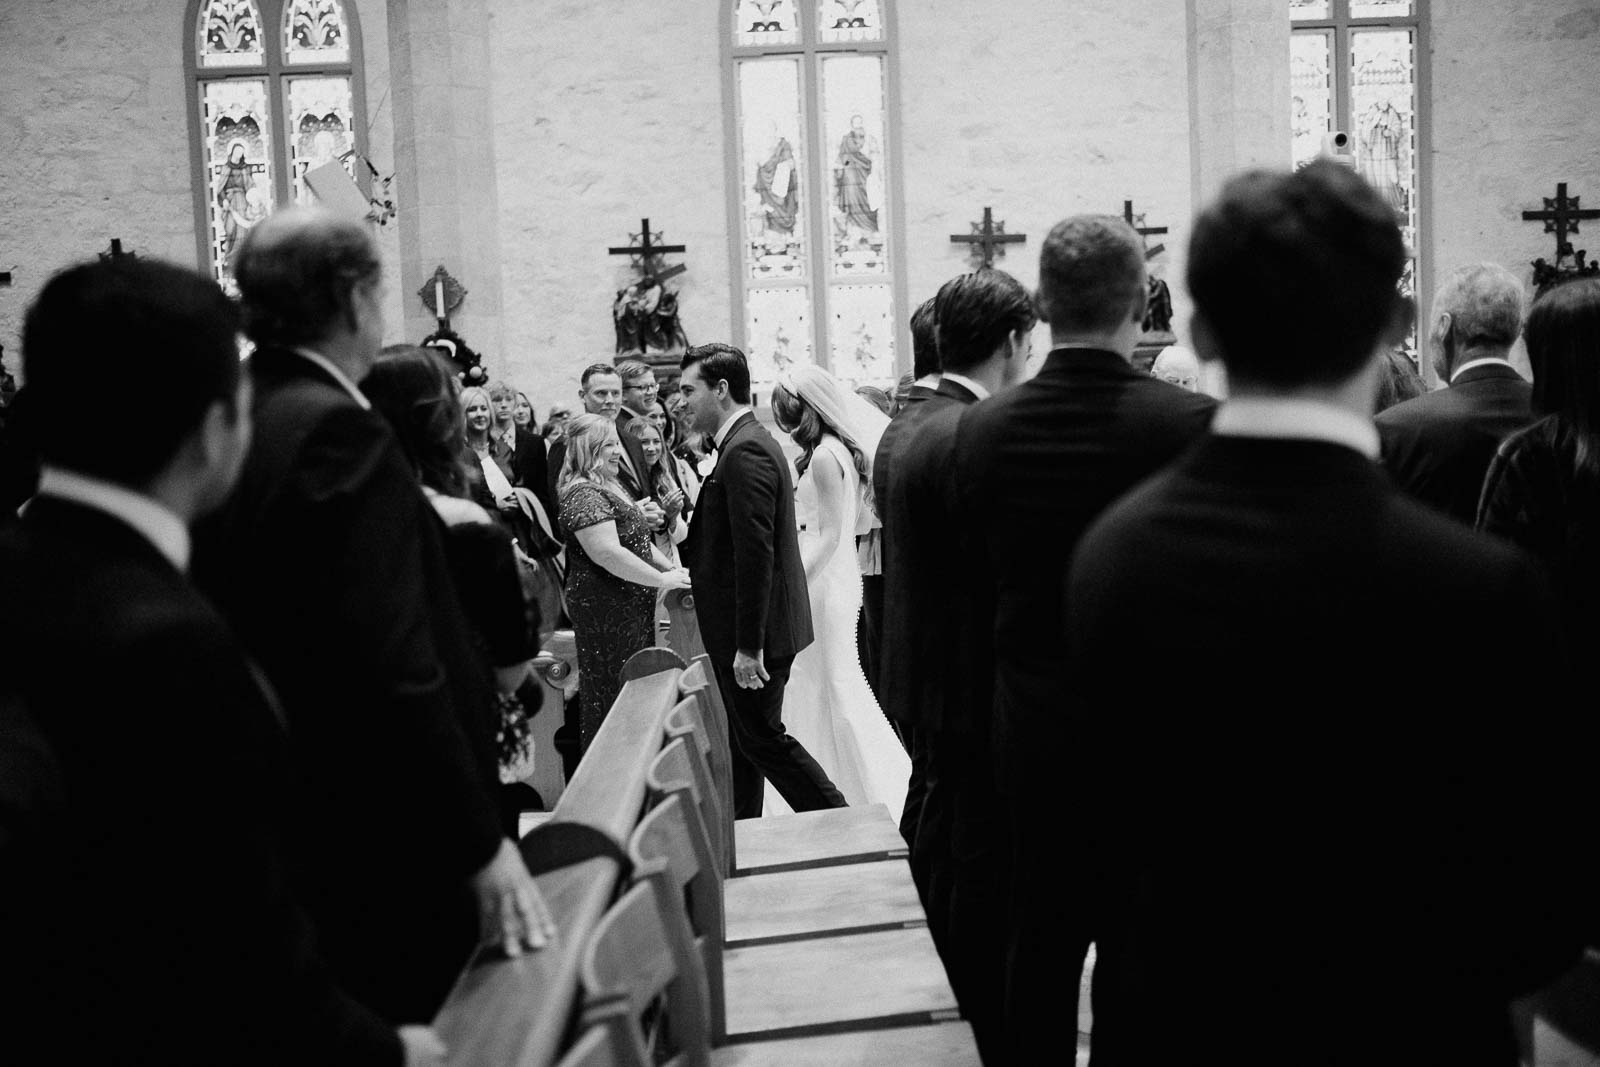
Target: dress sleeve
{"type": "Point", "coordinates": [584, 505]}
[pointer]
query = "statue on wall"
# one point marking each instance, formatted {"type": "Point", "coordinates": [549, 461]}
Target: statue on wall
{"type": "Point", "coordinates": [646, 319]}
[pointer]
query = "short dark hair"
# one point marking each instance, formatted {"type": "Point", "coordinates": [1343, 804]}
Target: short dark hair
{"type": "Point", "coordinates": [925, 339]}
{"type": "Point", "coordinates": [596, 368]}
{"type": "Point", "coordinates": [1314, 255]}
{"type": "Point", "coordinates": [146, 346]}
{"type": "Point", "coordinates": [1563, 339]}
{"type": "Point", "coordinates": [721, 363]}
{"type": "Point", "coordinates": [630, 369]}
{"type": "Point", "coordinates": [297, 272]}
{"type": "Point", "coordinates": [415, 390]}
{"type": "Point", "coordinates": [976, 312]}
{"type": "Point", "coordinates": [1091, 274]}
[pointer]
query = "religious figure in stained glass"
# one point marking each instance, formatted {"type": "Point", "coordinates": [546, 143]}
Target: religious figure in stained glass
{"type": "Point", "coordinates": [779, 187]}
{"type": "Point", "coordinates": [1384, 137]}
{"type": "Point", "coordinates": [240, 200]}
{"type": "Point", "coordinates": [853, 184]}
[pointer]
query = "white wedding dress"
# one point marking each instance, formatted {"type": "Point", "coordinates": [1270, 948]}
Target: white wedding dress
{"type": "Point", "coordinates": [827, 706]}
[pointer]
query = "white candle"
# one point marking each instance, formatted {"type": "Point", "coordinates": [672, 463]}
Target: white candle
{"type": "Point", "coordinates": [438, 297]}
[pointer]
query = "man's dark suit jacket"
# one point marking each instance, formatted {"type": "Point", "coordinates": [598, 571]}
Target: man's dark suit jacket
{"type": "Point", "coordinates": [922, 600]}
{"type": "Point", "coordinates": [1297, 817]}
{"type": "Point", "coordinates": [1438, 446]}
{"type": "Point", "coordinates": [883, 461]}
{"type": "Point", "coordinates": [531, 462]}
{"type": "Point", "coordinates": [153, 923]}
{"type": "Point", "coordinates": [743, 551]}
{"type": "Point", "coordinates": [329, 562]}
{"type": "Point", "coordinates": [1034, 466]}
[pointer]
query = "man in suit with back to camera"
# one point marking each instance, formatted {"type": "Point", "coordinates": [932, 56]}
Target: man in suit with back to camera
{"type": "Point", "coordinates": [1033, 467]}
{"type": "Point", "coordinates": [743, 555]}
{"type": "Point", "coordinates": [925, 366]}
{"type": "Point", "coordinates": [168, 799]}
{"type": "Point", "coordinates": [1339, 841]}
{"type": "Point", "coordinates": [938, 656]}
{"type": "Point", "coordinates": [329, 562]}
{"type": "Point", "coordinates": [1438, 446]}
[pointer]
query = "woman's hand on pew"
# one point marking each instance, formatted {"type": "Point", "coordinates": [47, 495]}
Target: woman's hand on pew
{"type": "Point", "coordinates": [422, 1047]}
{"type": "Point", "coordinates": [511, 913]}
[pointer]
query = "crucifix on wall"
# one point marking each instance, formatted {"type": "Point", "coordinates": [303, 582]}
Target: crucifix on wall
{"type": "Point", "coordinates": [987, 239]}
{"type": "Point", "coordinates": [646, 313]}
{"type": "Point", "coordinates": [1561, 216]}
{"type": "Point", "coordinates": [1158, 309]}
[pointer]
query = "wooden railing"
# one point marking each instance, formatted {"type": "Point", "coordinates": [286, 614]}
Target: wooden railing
{"type": "Point", "coordinates": [520, 1011]}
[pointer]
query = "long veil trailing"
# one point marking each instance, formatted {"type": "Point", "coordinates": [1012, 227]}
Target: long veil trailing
{"type": "Point", "coordinates": [856, 421]}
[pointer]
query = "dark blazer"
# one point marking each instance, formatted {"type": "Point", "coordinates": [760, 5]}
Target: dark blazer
{"type": "Point", "coordinates": [883, 461]}
{"type": "Point", "coordinates": [922, 586]}
{"type": "Point", "coordinates": [531, 464]}
{"type": "Point", "coordinates": [154, 923]}
{"type": "Point", "coordinates": [1438, 446]}
{"type": "Point", "coordinates": [1033, 467]}
{"type": "Point", "coordinates": [1335, 815]}
{"type": "Point", "coordinates": [329, 562]}
{"type": "Point", "coordinates": [743, 551]}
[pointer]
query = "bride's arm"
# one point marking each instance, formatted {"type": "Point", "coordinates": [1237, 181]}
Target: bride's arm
{"type": "Point", "coordinates": [828, 479]}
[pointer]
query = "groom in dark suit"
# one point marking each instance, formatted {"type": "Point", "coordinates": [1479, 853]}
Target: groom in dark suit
{"type": "Point", "coordinates": [743, 553]}
{"type": "Point", "coordinates": [1336, 826]}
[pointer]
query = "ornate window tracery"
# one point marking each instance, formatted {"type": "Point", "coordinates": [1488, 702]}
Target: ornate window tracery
{"type": "Point", "coordinates": [816, 223]}
{"type": "Point", "coordinates": [276, 91]}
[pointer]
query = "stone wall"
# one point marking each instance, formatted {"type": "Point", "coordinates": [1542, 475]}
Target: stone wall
{"type": "Point", "coordinates": [95, 143]}
{"type": "Point", "coordinates": [1041, 110]}
{"type": "Point", "coordinates": [603, 115]}
{"type": "Point", "coordinates": [1513, 114]}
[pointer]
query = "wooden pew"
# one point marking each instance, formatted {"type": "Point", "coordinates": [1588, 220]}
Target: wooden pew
{"type": "Point", "coordinates": [505, 1011]}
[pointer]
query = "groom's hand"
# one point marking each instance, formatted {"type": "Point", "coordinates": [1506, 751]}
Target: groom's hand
{"type": "Point", "coordinates": [749, 670]}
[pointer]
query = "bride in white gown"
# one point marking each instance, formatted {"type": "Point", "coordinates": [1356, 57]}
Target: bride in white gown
{"type": "Point", "coordinates": [827, 705]}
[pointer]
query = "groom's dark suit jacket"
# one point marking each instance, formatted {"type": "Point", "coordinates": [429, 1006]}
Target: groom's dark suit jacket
{"type": "Point", "coordinates": [922, 607]}
{"type": "Point", "coordinates": [151, 922]}
{"type": "Point", "coordinates": [1438, 446]}
{"type": "Point", "coordinates": [330, 564]}
{"type": "Point", "coordinates": [743, 550]}
{"type": "Point", "coordinates": [1335, 816]}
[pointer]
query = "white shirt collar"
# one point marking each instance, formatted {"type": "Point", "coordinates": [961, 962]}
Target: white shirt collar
{"type": "Point", "coordinates": [154, 521]}
{"type": "Point", "coordinates": [1484, 362]}
{"type": "Point", "coordinates": [338, 375]}
{"type": "Point", "coordinates": [1300, 419]}
{"type": "Point", "coordinates": [978, 388]}
{"type": "Point", "coordinates": [727, 427]}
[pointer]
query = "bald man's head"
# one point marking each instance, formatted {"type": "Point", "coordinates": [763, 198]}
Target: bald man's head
{"type": "Point", "coordinates": [298, 271]}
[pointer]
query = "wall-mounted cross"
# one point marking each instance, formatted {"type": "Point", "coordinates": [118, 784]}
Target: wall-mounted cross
{"type": "Point", "coordinates": [1137, 222]}
{"type": "Point", "coordinates": [1560, 216]}
{"type": "Point", "coordinates": [987, 239]}
{"type": "Point", "coordinates": [647, 252]}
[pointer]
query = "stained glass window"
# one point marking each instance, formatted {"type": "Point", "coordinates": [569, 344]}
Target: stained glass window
{"type": "Point", "coordinates": [230, 34]}
{"type": "Point", "coordinates": [816, 180]}
{"type": "Point", "coordinates": [315, 32]}
{"type": "Point", "coordinates": [765, 22]}
{"type": "Point", "coordinates": [1355, 70]}
{"type": "Point", "coordinates": [259, 127]}
{"type": "Point", "coordinates": [849, 20]}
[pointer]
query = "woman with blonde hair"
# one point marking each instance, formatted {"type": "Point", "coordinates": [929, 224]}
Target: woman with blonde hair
{"type": "Point", "coordinates": [614, 568]}
{"type": "Point", "coordinates": [828, 706]}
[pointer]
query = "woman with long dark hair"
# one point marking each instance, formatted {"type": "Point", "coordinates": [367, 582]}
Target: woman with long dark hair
{"type": "Point", "coordinates": [414, 389]}
{"type": "Point", "coordinates": [828, 706]}
{"type": "Point", "coordinates": [1543, 487]}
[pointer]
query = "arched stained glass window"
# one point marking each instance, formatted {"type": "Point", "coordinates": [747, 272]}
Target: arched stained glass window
{"type": "Point", "coordinates": [1359, 66]}
{"type": "Point", "coordinates": [277, 91]}
{"type": "Point", "coordinates": [817, 186]}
